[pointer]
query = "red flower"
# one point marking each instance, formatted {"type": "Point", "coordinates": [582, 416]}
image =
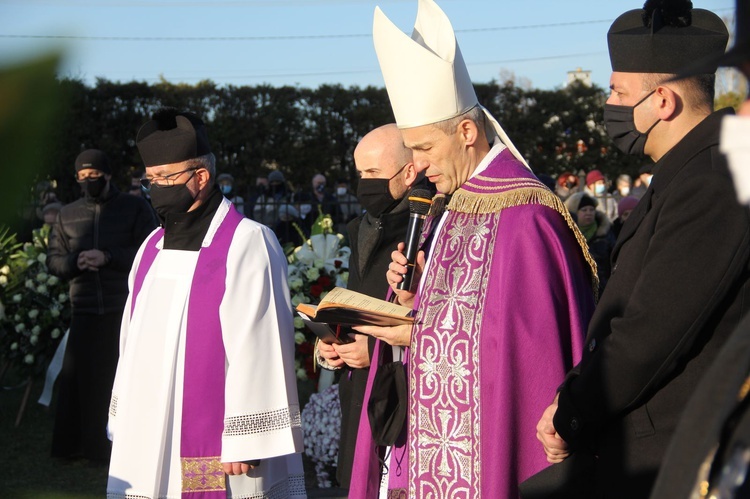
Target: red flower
{"type": "Point", "coordinates": [305, 348]}
{"type": "Point", "coordinates": [324, 281]}
{"type": "Point", "coordinates": [337, 263]}
{"type": "Point", "coordinates": [315, 290]}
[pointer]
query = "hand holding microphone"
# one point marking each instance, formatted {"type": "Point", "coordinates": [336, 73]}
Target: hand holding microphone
{"type": "Point", "coordinates": [420, 201]}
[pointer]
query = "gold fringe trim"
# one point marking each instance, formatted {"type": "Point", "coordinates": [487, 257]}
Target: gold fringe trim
{"type": "Point", "coordinates": [464, 201]}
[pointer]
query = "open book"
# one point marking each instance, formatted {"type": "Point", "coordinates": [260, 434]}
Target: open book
{"type": "Point", "coordinates": [346, 307]}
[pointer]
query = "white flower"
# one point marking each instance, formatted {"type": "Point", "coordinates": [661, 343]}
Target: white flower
{"type": "Point", "coordinates": [30, 262]}
{"type": "Point", "coordinates": [36, 330]}
{"type": "Point", "coordinates": [4, 270]}
{"type": "Point", "coordinates": [42, 257]}
{"type": "Point", "coordinates": [17, 318]}
{"type": "Point", "coordinates": [42, 276]}
{"type": "Point", "coordinates": [62, 297]}
{"type": "Point", "coordinates": [29, 284]}
{"type": "Point", "coordinates": [295, 283]}
{"type": "Point", "coordinates": [319, 264]}
{"type": "Point", "coordinates": [13, 347]}
{"type": "Point", "coordinates": [312, 274]}
{"type": "Point", "coordinates": [42, 289]}
{"type": "Point", "coordinates": [299, 298]}
{"type": "Point", "coordinates": [20, 327]}
{"type": "Point", "coordinates": [3, 280]}
{"type": "Point", "coordinates": [17, 298]}
{"type": "Point", "coordinates": [301, 374]}
{"type": "Point", "coordinates": [53, 280]}
{"type": "Point", "coordinates": [29, 359]}
{"type": "Point", "coordinates": [33, 313]}
{"type": "Point", "coordinates": [55, 312]}
{"type": "Point", "coordinates": [298, 323]}
{"type": "Point", "coordinates": [55, 333]}
{"type": "Point", "coordinates": [34, 339]}
{"type": "Point", "coordinates": [299, 338]}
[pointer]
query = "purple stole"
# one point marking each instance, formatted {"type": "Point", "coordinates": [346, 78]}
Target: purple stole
{"type": "Point", "coordinates": [203, 390]}
{"type": "Point", "coordinates": [502, 313]}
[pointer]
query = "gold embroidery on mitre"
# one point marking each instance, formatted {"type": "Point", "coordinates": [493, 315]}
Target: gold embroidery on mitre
{"type": "Point", "coordinates": [202, 474]}
{"type": "Point", "coordinates": [464, 201]}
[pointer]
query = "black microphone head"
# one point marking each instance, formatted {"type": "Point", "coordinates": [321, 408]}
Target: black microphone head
{"type": "Point", "coordinates": [420, 201]}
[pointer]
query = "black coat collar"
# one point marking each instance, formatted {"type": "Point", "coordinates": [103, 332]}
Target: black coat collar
{"type": "Point", "coordinates": [704, 136]}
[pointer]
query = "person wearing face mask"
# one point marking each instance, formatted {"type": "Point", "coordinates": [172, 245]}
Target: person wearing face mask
{"type": "Point", "coordinates": [642, 181]}
{"type": "Point", "coordinates": [596, 187]}
{"type": "Point", "coordinates": [679, 281]}
{"type": "Point", "coordinates": [316, 201]}
{"type": "Point", "coordinates": [226, 185]}
{"type": "Point", "coordinates": [348, 205]}
{"type": "Point", "coordinates": [205, 394]}
{"type": "Point", "coordinates": [92, 244]}
{"type": "Point", "coordinates": [271, 198]}
{"type": "Point", "coordinates": [708, 455]}
{"type": "Point", "coordinates": [387, 174]}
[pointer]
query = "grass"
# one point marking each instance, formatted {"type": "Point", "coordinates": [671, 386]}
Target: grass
{"type": "Point", "coordinates": [28, 470]}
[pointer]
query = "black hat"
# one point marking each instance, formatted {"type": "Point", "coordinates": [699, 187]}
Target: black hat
{"type": "Point", "coordinates": [93, 158]}
{"type": "Point", "coordinates": [585, 201]}
{"type": "Point", "coordinates": [665, 36]}
{"type": "Point", "coordinates": [172, 136]}
{"type": "Point", "coordinates": [737, 55]}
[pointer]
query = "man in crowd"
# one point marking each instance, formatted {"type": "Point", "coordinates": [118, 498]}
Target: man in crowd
{"type": "Point", "coordinates": [205, 396]}
{"type": "Point", "coordinates": [707, 455]}
{"type": "Point", "coordinates": [93, 243]}
{"type": "Point", "coordinates": [507, 275]}
{"type": "Point", "coordinates": [226, 185]}
{"type": "Point", "coordinates": [387, 174]}
{"type": "Point", "coordinates": [679, 277]}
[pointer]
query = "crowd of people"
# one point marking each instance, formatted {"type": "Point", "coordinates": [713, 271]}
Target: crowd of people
{"type": "Point", "coordinates": [576, 337]}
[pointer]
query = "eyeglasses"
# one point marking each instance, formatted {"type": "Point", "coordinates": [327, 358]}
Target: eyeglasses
{"type": "Point", "coordinates": [166, 180]}
{"type": "Point", "coordinates": [91, 175]}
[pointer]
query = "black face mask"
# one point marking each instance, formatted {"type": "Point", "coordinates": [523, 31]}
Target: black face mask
{"type": "Point", "coordinates": [93, 187]}
{"type": "Point", "coordinates": [620, 125]}
{"type": "Point", "coordinates": [171, 199]}
{"type": "Point", "coordinates": [375, 196]}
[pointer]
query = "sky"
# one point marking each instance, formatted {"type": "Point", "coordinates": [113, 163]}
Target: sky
{"type": "Point", "coordinates": [306, 43]}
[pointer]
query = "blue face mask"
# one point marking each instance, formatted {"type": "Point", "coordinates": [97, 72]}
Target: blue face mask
{"type": "Point", "coordinates": [226, 188]}
{"type": "Point", "coordinates": [599, 189]}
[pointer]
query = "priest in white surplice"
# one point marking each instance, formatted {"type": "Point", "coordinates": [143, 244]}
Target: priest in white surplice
{"type": "Point", "coordinates": [204, 403]}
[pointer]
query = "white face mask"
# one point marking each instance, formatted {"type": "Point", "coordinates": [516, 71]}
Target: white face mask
{"type": "Point", "coordinates": [625, 191]}
{"type": "Point", "coordinates": [305, 209]}
{"type": "Point", "coordinates": [341, 191]}
{"type": "Point", "coordinates": [735, 144]}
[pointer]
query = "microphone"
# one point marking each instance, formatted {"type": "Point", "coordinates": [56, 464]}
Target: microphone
{"type": "Point", "coordinates": [420, 201]}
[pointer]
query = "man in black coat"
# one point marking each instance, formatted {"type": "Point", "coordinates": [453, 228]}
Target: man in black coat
{"type": "Point", "coordinates": [680, 265]}
{"type": "Point", "coordinates": [710, 453]}
{"type": "Point", "coordinates": [386, 176]}
{"type": "Point", "coordinates": [93, 244]}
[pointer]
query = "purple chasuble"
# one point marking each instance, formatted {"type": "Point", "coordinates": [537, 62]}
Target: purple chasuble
{"type": "Point", "coordinates": [203, 388]}
{"type": "Point", "coordinates": [502, 316]}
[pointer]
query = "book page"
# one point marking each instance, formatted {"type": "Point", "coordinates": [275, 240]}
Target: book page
{"type": "Point", "coordinates": [346, 298]}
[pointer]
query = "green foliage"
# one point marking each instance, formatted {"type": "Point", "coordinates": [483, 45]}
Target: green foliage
{"type": "Point", "coordinates": [729, 99]}
{"type": "Point", "coordinates": [302, 131]}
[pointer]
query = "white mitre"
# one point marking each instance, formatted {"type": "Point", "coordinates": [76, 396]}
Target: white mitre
{"type": "Point", "coordinates": [425, 75]}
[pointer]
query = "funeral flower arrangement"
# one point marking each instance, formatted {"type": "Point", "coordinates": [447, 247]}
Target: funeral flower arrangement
{"type": "Point", "coordinates": [315, 268]}
{"type": "Point", "coordinates": [321, 421]}
{"type": "Point", "coordinates": [34, 305]}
